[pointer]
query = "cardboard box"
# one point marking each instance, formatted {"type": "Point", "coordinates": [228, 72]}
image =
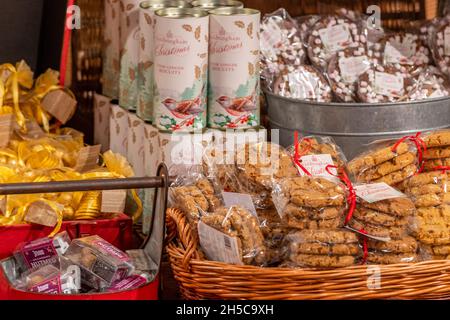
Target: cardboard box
{"type": "Point", "coordinates": [102, 113]}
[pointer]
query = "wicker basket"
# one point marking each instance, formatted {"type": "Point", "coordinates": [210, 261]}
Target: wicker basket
{"type": "Point", "coordinates": [201, 279]}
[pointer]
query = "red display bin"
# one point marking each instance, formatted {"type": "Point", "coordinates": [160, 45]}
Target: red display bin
{"type": "Point", "coordinates": [118, 231]}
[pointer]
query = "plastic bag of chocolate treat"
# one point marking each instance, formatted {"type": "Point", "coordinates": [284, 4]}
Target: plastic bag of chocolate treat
{"type": "Point", "coordinates": [381, 84]}
{"type": "Point", "coordinates": [305, 23]}
{"type": "Point", "coordinates": [331, 34]}
{"type": "Point", "coordinates": [430, 83]}
{"type": "Point", "coordinates": [390, 161]}
{"type": "Point", "coordinates": [308, 202]}
{"type": "Point", "coordinates": [324, 249]}
{"type": "Point", "coordinates": [344, 70]}
{"type": "Point", "coordinates": [312, 155]}
{"type": "Point", "coordinates": [440, 45]}
{"type": "Point", "coordinates": [405, 51]}
{"type": "Point", "coordinates": [232, 235]}
{"type": "Point", "coordinates": [281, 44]}
{"type": "Point", "coordinates": [303, 83]}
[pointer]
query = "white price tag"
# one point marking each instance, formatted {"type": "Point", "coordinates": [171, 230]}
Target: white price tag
{"type": "Point", "coordinates": [316, 165]}
{"type": "Point", "coordinates": [377, 192]}
{"type": "Point", "coordinates": [388, 84]}
{"type": "Point", "coordinates": [352, 67]}
{"type": "Point", "coordinates": [336, 37]}
{"type": "Point", "coordinates": [217, 245]}
{"type": "Point", "coordinates": [239, 199]}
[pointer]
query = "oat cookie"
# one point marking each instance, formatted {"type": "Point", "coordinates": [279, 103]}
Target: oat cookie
{"type": "Point", "coordinates": [313, 214]}
{"type": "Point", "coordinates": [379, 218]}
{"type": "Point", "coordinates": [297, 223]}
{"type": "Point", "coordinates": [443, 250]}
{"type": "Point", "coordinates": [189, 199]}
{"type": "Point", "coordinates": [429, 189]}
{"type": "Point", "coordinates": [388, 167]}
{"type": "Point", "coordinates": [434, 234]}
{"type": "Point", "coordinates": [437, 139]}
{"type": "Point", "coordinates": [398, 176]}
{"type": "Point", "coordinates": [326, 236]}
{"type": "Point", "coordinates": [424, 178]}
{"type": "Point", "coordinates": [391, 258]}
{"type": "Point", "coordinates": [432, 200]}
{"type": "Point", "coordinates": [377, 230]}
{"type": "Point", "coordinates": [323, 261]}
{"type": "Point", "coordinates": [437, 153]}
{"type": "Point", "coordinates": [431, 213]}
{"type": "Point", "coordinates": [376, 157]}
{"type": "Point", "coordinates": [207, 189]}
{"type": "Point", "coordinates": [325, 249]}
{"type": "Point", "coordinates": [396, 206]}
{"type": "Point", "coordinates": [405, 245]}
{"type": "Point", "coordinates": [430, 165]}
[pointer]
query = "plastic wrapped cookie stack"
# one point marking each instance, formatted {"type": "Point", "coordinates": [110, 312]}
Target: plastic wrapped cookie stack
{"type": "Point", "coordinates": [391, 221]}
{"type": "Point", "coordinates": [430, 193]}
{"type": "Point", "coordinates": [390, 162]}
{"type": "Point", "coordinates": [437, 153]}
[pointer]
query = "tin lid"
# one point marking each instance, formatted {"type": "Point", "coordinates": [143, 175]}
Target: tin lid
{"type": "Point", "coordinates": [214, 4]}
{"type": "Point", "coordinates": [177, 13]}
{"type": "Point", "coordinates": [160, 4]}
{"type": "Point", "coordinates": [228, 11]}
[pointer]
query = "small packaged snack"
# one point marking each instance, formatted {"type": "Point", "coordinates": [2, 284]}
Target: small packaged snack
{"type": "Point", "coordinates": [437, 153]}
{"type": "Point", "coordinates": [431, 83]}
{"type": "Point", "coordinates": [310, 203]}
{"type": "Point", "coordinates": [331, 34]}
{"type": "Point", "coordinates": [258, 166]}
{"type": "Point", "coordinates": [302, 82]}
{"type": "Point", "coordinates": [388, 161]}
{"type": "Point", "coordinates": [232, 235]}
{"type": "Point", "coordinates": [141, 261]}
{"type": "Point", "coordinates": [99, 261]}
{"type": "Point", "coordinates": [384, 84]}
{"type": "Point", "coordinates": [51, 280]}
{"type": "Point", "coordinates": [440, 45]}
{"type": "Point", "coordinates": [281, 44]}
{"type": "Point", "coordinates": [315, 153]}
{"type": "Point", "coordinates": [131, 282]}
{"type": "Point", "coordinates": [405, 51]}
{"type": "Point", "coordinates": [430, 193]}
{"type": "Point", "coordinates": [305, 24]}
{"type": "Point", "coordinates": [40, 252]}
{"type": "Point", "coordinates": [344, 69]}
{"type": "Point", "coordinates": [274, 232]}
{"type": "Point", "coordinates": [323, 248]}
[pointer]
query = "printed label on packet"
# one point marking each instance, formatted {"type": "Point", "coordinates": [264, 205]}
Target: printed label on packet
{"type": "Point", "coordinates": [352, 67]}
{"type": "Point", "coordinates": [239, 199]}
{"type": "Point", "coordinates": [335, 37]}
{"type": "Point", "coordinates": [374, 192]}
{"type": "Point", "coordinates": [51, 286]}
{"type": "Point", "coordinates": [399, 52]}
{"type": "Point", "coordinates": [388, 84]}
{"type": "Point", "coordinates": [447, 41]}
{"type": "Point", "coordinates": [217, 245]}
{"type": "Point", "coordinates": [316, 165]}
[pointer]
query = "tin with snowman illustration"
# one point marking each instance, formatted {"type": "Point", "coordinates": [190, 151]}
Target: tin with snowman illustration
{"type": "Point", "coordinates": [233, 92]}
{"type": "Point", "coordinates": [180, 69]}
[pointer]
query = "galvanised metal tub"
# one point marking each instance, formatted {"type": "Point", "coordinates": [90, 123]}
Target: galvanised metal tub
{"type": "Point", "coordinates": [352, 125]}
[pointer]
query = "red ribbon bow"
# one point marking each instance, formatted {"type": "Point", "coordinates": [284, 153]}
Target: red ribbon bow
{"type": "Point", "coordinates": [443, 168]}
{"type": "Point", "coordinates": [298, 155]}
{"type": "Point", "coordinates": [351, 199]}
{"type": "Point", "coordinates": [420, 145]}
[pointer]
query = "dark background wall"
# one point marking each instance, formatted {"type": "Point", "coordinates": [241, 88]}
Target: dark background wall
{"type": "Point", "coordinates": [32, 30]}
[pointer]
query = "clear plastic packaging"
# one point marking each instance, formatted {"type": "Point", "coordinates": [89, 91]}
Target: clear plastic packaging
{"type": "Point", "coordinates": [303, 83]}
{"type": "Point", "coordinates": [310, 203]}
{"type": "Point", "coordinates": [131, 282]}
{"type": "Point", "coordinates": [331, 34]}
{"type": "Point", "coordinates": [405, 51]}
{"type": "Point", "coordinates": [388, 161]}
{"type": "Point", "coordinates": [315, 153]}
{"type": "Point", "coordinates": [344, 69]}
{"type": "Point", "coordinates": [274, 232]}
{"type": "Point", "coordinates": [384, 84]}
{"type": "Point", "coordinates": [323, 248]}
{"type": "Point", "coordinates": [100, 262]}
{"type": "Point", "coordinates": [281, 44]}
{"type": "Point", "coordinates": [440, 47]}
{"type": "Point", "coordinates": [237, 224]}
{"type": "Point", "coordinates": [37, 253]}
{"type": "Point", "coordinates": [431, 83]}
